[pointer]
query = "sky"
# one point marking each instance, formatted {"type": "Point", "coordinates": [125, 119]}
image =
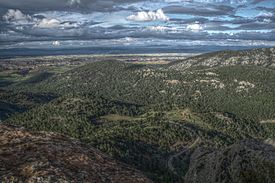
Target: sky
{"type": "Point", "coordinates": [136, 26]}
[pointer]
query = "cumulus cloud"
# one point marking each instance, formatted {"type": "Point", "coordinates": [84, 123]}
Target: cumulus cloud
{"type": "Point", "coordinates": [48, 23]}
{"type": "Point", "coordinates": [195, 27]}
{"type": "Point", "coordinates": [54, 23]}
{"type": "Point", "coordinates": [164, 29]}
{"type": "Point", "coordinates": [265, 14]}
{"type": "Point", "coordinates": [73, 2]}
{"type": "Point", "coordinates": [16, 16]}
{"type": "Point", "coordinates": [56, 43]}
{"type": "Point", "coordinates": [158, 28]}
{"type": "Point", "coordinates": [149, 16]}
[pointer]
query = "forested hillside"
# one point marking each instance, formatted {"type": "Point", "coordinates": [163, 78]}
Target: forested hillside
{"type": "Point", "coordinates": [264, 57]}
{"type": "Point", "coordinates": [154, 117]}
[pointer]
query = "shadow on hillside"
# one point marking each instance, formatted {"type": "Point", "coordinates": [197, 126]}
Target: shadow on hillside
{"type": "Point", "coordinates": [18, 102]}
{"type": "Point", "coordinates": [38, 78]}
{"type": "Point", "coordinates": [5, 83]}
{"type": "Point", "coordinates": [7, 109]}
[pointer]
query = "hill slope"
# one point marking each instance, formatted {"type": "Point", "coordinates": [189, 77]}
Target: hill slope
{"type": "Point", "coordinates": [46, 157]}
{"type": "Point", "coordinates": [261, 57]}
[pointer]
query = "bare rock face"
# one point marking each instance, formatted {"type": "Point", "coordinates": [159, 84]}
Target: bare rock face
{"type": "Point", "coordinates": [47, 157]}
{"type": "Point", "coordinates": [249, 161]}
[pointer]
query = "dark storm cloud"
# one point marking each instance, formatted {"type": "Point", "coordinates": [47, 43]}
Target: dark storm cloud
{"type": "Point", "coordinates": [241, 20]}
{"type": "Point", "coordinates": [210, 10]}
{"type": "Point", "coordinates": [257, 1]}
{"type": "Point", "coordinates": [34, 5]}
{"type": "Point", "coordinates": [257, 26]}
{"type": "Point", "coordinates": [269, 36]}
{"type": "Point", "coordinates": [266, 9]}
{"type": "Point", "coordinates": [31, 6]}
{"type": "Point", "coordinates": [244, 24]}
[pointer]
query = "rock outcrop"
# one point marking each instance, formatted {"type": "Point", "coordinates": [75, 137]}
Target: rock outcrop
{"type": "Point", "coordinates": [47, 157]}
{"type": "Point", "coordinates": [249, 161]}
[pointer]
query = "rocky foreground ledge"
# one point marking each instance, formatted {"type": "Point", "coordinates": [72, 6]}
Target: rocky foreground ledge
{"type": "Point", "coordinates": [248, 161]}
{"type": "Point", "coordinates": [47, 157]}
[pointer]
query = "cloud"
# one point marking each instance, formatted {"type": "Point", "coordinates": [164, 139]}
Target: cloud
{"type": "Point", "coordinates": [54, 23]}
{"type": "Point", "coordinates": [73, 2]}
{"type": "Point", "coordinates": [56, 43]}
{"type": "Point", "coordinates": [210, 10]}
{"type": "Point", "coordinates": [34, 6]}
{"type": "Point", "coordinates": [195, 27]}
{"type": "Point", "coordinates": [212, 1]}
{"type": "Point", "coordinates": [158, 28]}
{"type": "Point", "coordinates": [149, 16]}
{"type": "Point", "coordinates": [257, 1]}
{"type": "Point", "coordinates": [48, 23]}
{"type": "Point", "coordinates": [16, 16]}
{"type": "Point", "coordinates": [265, 9]}
{"type": "Point", "coordinates": [265, 14]}
{"type": "Point", "coordinates": [195, 20]}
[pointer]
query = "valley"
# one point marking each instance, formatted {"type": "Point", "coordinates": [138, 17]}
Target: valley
{"type": "Point", "coordinates": [170, 118]}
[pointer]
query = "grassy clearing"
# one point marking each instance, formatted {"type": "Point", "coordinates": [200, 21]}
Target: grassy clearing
{"type": "Point", "coordinates": [182, 115]}
{"type": "Point", "coordinates": [59, 69]}
{"type": "Point", "coordinates": [186, 115]}
{"type": "Point", "coordinates": [116, 117]}
{"type": "Point", "coordinates": [13, 77]}
{"type": "Point", "coordinates": [268, 121]}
